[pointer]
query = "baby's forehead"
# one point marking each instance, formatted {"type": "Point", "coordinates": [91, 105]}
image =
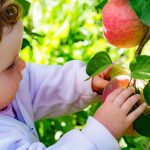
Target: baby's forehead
{"type": "Point", "coordinates": [6, 31]}
{"type": "Point", "coordinates": [10, 44]}
{"type": "Point", "coordinates": [12, 32]}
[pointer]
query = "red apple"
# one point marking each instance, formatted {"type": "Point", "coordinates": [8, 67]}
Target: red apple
{"type": "Point", "coordinates": [122, 27]}
{"type": "Point", "coordinates": [120, 81]}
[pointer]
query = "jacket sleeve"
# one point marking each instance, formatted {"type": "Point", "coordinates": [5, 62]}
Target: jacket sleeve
{"type": "Point", "coordinates": [93, 137]}
{"type": "Point", "coordinates": [58, 90]}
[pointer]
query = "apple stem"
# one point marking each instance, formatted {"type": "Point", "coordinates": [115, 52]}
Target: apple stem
{"type": "Point", "coordinates": [142, 44]}
{"type": "Point", "coordinates": [129, 83]}
{"type": "Point", "coordinates": [134, 83]}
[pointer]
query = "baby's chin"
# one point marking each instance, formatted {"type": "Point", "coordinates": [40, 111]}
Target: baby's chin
{"type": "Point", "coordinates": [7, 100]}
{"type": "Point", "coordinates": [4, 106]}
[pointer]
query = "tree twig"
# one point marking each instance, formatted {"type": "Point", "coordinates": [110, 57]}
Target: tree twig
{"type": "Point", "coordinates": [138, 52]}
{"type": "Point", "coordinates": [142, 44]}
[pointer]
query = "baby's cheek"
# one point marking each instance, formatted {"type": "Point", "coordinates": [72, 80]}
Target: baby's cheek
{"type": "Point", "coordinates": [8, 88]}
{"type": "Point", "coordinates": [14, 83]}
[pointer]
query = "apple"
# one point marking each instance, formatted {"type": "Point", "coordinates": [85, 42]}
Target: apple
{"type": "Point", "coordinates": [120, 81]}
{"type": "Point", "coordinates": [122, 27]}
{"type": "Point", "coordinates": [119, 78]}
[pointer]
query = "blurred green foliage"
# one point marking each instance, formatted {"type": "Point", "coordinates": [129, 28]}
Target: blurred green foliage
{"type": "Point", "coordinates": [57, 31]}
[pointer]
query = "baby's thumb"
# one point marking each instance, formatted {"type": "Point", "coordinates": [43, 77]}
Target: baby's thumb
{"type": "Point", "coordinates": [99, 84]}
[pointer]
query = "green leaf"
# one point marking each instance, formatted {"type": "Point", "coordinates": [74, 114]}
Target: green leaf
{"type": "Point", "coordinates": [142, 125]}
{"type": "Point", "coordinates": [98, 63]}
{"type": "Point", "coordinates": [142, 9]}
{"type": "Point", "coordinates": [140, 68]}
{"type": "Point", "coordinates": [25, 43]}
{"type": "Point", "coordinates": [32, 33]}
{"type": "Point", "coordinates": [100, 4]}
{"type": "Point", "coordinates": [146, 93]}
{"type": "Point", "coordinates": [25, 6]}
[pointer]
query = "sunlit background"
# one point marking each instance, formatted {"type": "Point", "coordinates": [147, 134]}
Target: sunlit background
{"type": "Point", "coordinates": [57, 31]}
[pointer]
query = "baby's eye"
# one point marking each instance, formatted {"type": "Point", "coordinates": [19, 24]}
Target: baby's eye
{"type": "Point", "coordinates": [11, 66]}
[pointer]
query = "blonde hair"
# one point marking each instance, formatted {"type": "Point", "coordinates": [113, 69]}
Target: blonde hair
{"type": "Point", "coordinates": [10, 13]}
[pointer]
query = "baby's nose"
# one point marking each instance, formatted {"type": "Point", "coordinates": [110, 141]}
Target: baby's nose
{"type": "Point", "coordinates": [20, 64]}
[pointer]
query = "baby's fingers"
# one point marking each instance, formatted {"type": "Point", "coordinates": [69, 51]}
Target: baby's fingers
{"type": "Point", "coordinates": [122, 97]}
{"type": "Point", "coordinates": [136, 113]}
{"type": "Point", "coordinates": [111, 97]}
{"type": "Point", "coordinates": [106, 74]}
{"type": "Point", "coordinates": [129, 103]}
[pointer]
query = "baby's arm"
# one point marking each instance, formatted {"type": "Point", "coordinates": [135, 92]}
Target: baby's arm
{"type": "Point", "coordinates": [111, 121]}
{"type": "Point", "coordinates": [116, 115]}
{"type": "Point", "coordinates": [59, 90]}
{"type": "Point", "coordinates": [15, 135]}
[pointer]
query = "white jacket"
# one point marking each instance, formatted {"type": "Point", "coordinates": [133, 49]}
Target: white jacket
{"type": "Point", "coordinates": [46, 92]}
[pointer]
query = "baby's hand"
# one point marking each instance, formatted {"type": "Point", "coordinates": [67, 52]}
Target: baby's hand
{"type": "Point", "coordinates": [115, 113]}
{"type": "Point", "coordinates": [100, 81]}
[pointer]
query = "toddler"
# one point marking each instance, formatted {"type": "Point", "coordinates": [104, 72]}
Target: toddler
{"type": "Point", "coordinates": [29, 92]}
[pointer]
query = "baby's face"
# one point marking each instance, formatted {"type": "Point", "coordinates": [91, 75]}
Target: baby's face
{"type": "Point", "coordinates": [11, 64]}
